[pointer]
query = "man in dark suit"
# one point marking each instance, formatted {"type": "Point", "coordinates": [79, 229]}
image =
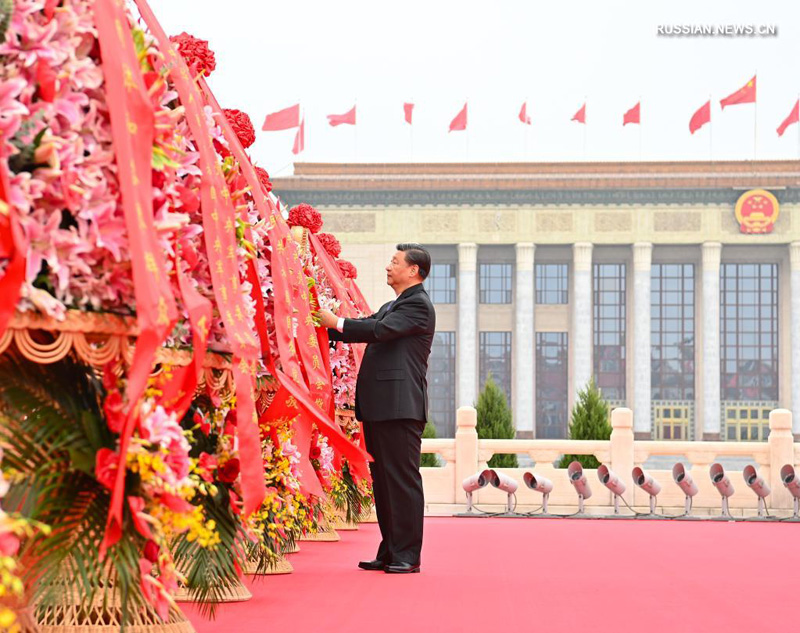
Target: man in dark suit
{"type": "Point", "coordinates": [392, 403]}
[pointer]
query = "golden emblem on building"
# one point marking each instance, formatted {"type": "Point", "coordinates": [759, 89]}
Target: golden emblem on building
{"type": "Point", "coordinates": [756, 211]}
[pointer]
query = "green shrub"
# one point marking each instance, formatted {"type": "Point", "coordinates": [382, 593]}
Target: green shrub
{"type": "Point", "coordinates": [494, 421]}
{"type": "Point", "coordinates": [429, 460]}
{"type": "Point", "coordinates": [589, 422]}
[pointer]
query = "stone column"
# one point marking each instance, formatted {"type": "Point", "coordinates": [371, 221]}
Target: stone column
{"type": "Point", "coordinates": [642, 422]}
{"type": "Point", "coordinates": [581, 336]}
{"type": "Point", "coordinates": [467, 335]}
{"type": "Point", "coordinates": [523, 341]}
{"type": "Point", "coordinates": [794, 258]}
{"type": "Point", "coordinates": [712, 255]}
{"type": "Point", "coordinates": [781, 452]}
{"type": "Point", "coordinates": [466, 448]}
{"type": "Point", "coordinates": [621, 450]}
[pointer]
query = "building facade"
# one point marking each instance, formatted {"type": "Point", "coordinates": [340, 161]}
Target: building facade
{"type": "Point", "coordinates": [676, 286]}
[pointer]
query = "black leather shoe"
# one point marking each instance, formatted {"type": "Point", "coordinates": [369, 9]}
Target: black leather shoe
{"type": "Point", "coordinates": [372, 565]}
{"type": "Point", "coordinates": [401, 568]}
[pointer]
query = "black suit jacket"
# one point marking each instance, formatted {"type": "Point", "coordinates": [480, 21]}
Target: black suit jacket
{"type": "Point", "coordinates": [392, 382]}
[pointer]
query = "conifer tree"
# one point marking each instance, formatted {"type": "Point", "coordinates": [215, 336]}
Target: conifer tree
{"type": "Point", "coordinates": [494, 421]}
{"type": "Point", "coordinates": [589, 422]}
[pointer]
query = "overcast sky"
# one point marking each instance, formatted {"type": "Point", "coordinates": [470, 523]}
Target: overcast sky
{"type": "Point", "coordinates": [437, 53]}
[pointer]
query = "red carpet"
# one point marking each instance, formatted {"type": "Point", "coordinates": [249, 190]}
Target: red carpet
{"type": "Point", "coordinates": [487, 575]}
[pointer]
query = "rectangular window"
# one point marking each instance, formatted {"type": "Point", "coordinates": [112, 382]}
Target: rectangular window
{"type": "Point", "coordinates": [441, 283]}
{"type": "Point", "coordinates": [672, 331]}
{"type": "Point", "coordinates": [442, 384]}
{"type": "Point", "coordinates": [552, 282]}
{"type": "Point", "coordinates": [551, 385]}
{"type": "Point", "coordinates": [609, 329]}
{"type": "Point", "coordinates": [749, 332]}
{"type": "Point", "coordinates": [495, 358]}
{"type": "Point", "coordinates": [495, 283]}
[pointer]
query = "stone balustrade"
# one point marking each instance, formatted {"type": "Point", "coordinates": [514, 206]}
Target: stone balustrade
{"type": "Point", "coordinates": [466, 454]}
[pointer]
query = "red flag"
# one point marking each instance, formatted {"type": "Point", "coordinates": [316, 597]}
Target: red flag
{"type": "Point", "coordinates": [460, 122]}
{"type": "Point", "coordinates": [632, 115]}
{"type": "Point", "coordinates": [285, 119]}
{"type": "Point", "coordinates": [580, 115]}
{"type": "Point", "coordinates": [523, 114]}
{"type": "Point", "coordinates": [794, 117]}
{"type": "Point", "coordinates": [300, 138]}
{"type": "Point", "coordinates": [745, 94]}
{"type": "Point", "coordinates": [701, 117]}
{"type": "Point", "coordinates": [348, 118]}
{"type": "Point", "coordinates": [408, 109]}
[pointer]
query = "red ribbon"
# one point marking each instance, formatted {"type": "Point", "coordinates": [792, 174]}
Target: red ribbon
{"type": "Point", "coordinates": [13, 247]}
{"type": "Point", "coordinates": [219, 226]}
{"type": "Point", "coordinates": [178, 392]}
{"type": "Point", "coordinates": [358, 298]}
{"type": "Point", "coordinates": [133, 131]}
{"type": "Point", "coordinates": [279, 409]}
{"type": "Point", "coordinates": [349, 306]}
{"type": "Point", "coordinates": [284, 251]}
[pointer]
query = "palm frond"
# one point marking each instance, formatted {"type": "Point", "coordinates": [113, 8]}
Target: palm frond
{"type": "Point", "coordinates": [212, 571]}
{"type": "Point", "coordinates": [52, 425]}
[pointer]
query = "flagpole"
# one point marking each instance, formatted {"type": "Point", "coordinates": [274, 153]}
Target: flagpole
{"type": "Point", "coordinates": [355, 132]}
{"type": "Point", "coordinates": [755, 122]}
{"type": "Point", "coordinates": [525, 135]}
{"type": "Point", "coordinates": [798, 129]}
{"type": "Point", "coordinates": [640, 128]}
{"type": "Point", "coordinates": [466, 136]}
{"type": "Point", "coordinates": [755, 128]}
{"type": "Point", "coordinates": [525, 157]}
{"type": "Point", "coordinates": [710, 133]}
{"type": "Point", "coordinates": [585, 114]}
{"type": "Point", "coordinates": [411, 131]}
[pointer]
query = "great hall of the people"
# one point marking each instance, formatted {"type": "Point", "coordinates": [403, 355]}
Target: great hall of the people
{"type": "Point", "coordinates": [676, 285]}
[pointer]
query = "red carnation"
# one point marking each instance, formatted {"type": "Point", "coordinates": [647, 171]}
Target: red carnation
{"type": "Point", "coordinates": [9, 544]}
{"type": "Point", "coordinates": [196, 53]}
{"type": "Point", "coordinates": [315, 452]}
{"type": "Point", "coordinates": [206, 465]}
{"type": "Point", "coordinates": [105, 469]}
{"type": "Point", "coordinates": [200, 420]}
{"type": "Point", "coordinates": [229, 471]}
{"type": "Point", "coordinates": [306, 216]}
{"type": "Point", "coordinates": [263, 176]}
{"type": "Point", "coordinates": [347, 269]}
{"type": "Point", "coordinates": [330, 244]}
{"type": "Point", "coordinates": [242, 126]}
{"type": "Point", "coordinates": [110, 378]}
{"type": "Point", "coordinates": [113, 408]}
{"type": "Point", "coordinates": [230, 423]}
{"type": "Point", "coordinates": [151, 550]}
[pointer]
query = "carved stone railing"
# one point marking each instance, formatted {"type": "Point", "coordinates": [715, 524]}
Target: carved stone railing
{"type": "Point", "coordinates": [466, 454]}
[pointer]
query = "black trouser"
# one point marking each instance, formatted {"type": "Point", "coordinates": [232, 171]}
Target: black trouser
{"type": "Point", "coordinates": [397, 484]}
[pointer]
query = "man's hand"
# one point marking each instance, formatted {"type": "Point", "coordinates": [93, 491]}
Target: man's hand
{"type": "Point", "coordinates": [328, 319]}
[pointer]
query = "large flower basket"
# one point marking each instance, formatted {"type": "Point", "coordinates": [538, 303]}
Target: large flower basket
{"type": "Point", "coordinates": [104, 615]}
{"type": "Point", "coordinates": [279, 567]}
{"type": "Point", "coordinates": [325, 535]}
{"type": "Point", "coordinates": [101, 338]}
{"type": "Point", "coordinates": [235, 593]}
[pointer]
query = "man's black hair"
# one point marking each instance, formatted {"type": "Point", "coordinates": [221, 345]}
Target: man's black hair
{"type": "Point", "coordinates": [416, 255]}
